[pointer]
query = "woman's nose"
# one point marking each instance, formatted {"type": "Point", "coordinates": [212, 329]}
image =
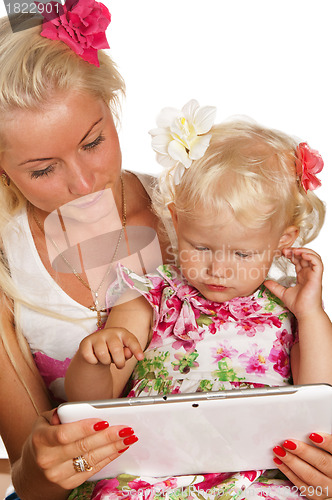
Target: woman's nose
{"type": "Point", "coordinates": [81, 180]}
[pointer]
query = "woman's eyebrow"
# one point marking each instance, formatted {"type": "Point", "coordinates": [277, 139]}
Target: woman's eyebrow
{"type": "Point", "coordinates": [88, 132]}
{"type": "Point", "coordinates": [48, 159]}
{"type": "Point", "coordinates": [36, 159]}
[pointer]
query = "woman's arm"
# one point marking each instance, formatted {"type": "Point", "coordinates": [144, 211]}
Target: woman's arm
{"type": "Point", "coordinates": [18, 416]}
{"type": "Point", "coordinates": [311, 357]}
{"type": "Point", "coordinates": [104, 361]}
{"type": "Point", "coordinates": [40, 450]}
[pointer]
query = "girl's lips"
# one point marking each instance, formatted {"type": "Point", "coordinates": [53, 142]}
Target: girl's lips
{"type": "Point", "coordinates": [216, 288]}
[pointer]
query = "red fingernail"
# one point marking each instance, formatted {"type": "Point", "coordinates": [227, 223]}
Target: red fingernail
{"type": "Point", "coordinates": [316, 438]}
{"type": "Point", "coordinates": [130, 440]}
{"type": "Point", "coordinates": [100, 426]}
{"type": "Point", "coordinates": [279, 451]}
{"type": "Point", "coordinates": [127, 431]}
{"type": "Point", "coordinates": [277, 461]}
{"type": "Point", "coordinates": [55, 418]}
{"type": "Point", "coordinates": [123, 449]}
{"type": "Point", "coordinates": [290, 445]}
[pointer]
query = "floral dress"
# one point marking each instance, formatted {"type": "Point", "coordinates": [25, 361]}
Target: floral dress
{"type": "Point", "coordinates": [199, 345]}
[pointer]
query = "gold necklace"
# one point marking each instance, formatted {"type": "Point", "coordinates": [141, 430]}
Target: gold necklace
{"type": "Point", "coordinates": [95, 293]}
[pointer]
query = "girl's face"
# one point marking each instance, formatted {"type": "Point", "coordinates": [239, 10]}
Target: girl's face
{"type": "Point", "coordinates": [222, 258]}
{"type": "Point", "coordinates": [65, 151]}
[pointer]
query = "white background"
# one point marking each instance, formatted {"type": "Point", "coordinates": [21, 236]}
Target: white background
{"type": "Point", "coordinates": [269, 59]}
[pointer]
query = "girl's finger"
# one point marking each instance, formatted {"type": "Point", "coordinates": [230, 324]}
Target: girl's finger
{"type": "Point", "coordinates": [101, 351]}
{"type": "Point", "coordinates": [276, 288]}
{"type": "Point", "coordinates": [115, 348]}
{"type": "Point", "coordinates": [87, 353]}
{"type": "Point", "coordinates": [305, 254]}
{"type": "Point", "coordinates": [135, 347]}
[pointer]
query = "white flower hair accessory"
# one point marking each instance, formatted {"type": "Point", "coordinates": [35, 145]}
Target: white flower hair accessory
{"type": "Point", "coordinates": [182, 136]}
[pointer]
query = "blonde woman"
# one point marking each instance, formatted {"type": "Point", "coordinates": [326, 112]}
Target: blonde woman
{"type": "Point", "coordinates": [240, 197]}
{"type": "Point", "coordinates": [58, 143]}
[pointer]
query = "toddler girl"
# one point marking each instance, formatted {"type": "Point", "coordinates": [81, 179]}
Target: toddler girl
{"type": "Point", "coordinates": [239, 196]}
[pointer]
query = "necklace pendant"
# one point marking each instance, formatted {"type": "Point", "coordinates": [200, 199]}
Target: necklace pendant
{"type": "Point", "coordinates": [100, 323]}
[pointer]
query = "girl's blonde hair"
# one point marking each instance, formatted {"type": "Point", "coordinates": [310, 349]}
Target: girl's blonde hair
{"type": "Point", "coordinates": [251, 170]}
{"type": "Point", "coordinates": [34, 71]}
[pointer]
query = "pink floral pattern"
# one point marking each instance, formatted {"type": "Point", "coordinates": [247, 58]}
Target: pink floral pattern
{"type": "Point", "coordinates": [247, 339]}
{"type": "Point", "coordinates": [254, 360]}
{"type": "Point", "coordinates": [200, 345]}
{"type": "Point", "coordinates": [224, 350]}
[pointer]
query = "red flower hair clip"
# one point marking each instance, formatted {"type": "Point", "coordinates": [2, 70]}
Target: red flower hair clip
{"type": "Point", "coordinates": [308, 165]}
{"type": "Point", "coordinates": [80, 24]}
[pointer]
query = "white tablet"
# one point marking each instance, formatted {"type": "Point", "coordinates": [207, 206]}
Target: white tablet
{"type": "Point", "coordinates": [209, 432]}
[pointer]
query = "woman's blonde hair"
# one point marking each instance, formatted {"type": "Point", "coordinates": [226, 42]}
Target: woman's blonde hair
{"type": "Point", "coordinates": [34, 70]}
{"type": "Point", "coordinates": [250, 170]}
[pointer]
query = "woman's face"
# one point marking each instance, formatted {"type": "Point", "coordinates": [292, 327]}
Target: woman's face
{"type": "Point", "coordinates": [67, 150]}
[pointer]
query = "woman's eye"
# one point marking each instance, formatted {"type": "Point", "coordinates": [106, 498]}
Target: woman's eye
{"type": "Point", "coordinates": [95, 143]}
{"type": "Point", "coordinates": [39, 173]}
{"type": "Point", "coordinates": [201, 249]}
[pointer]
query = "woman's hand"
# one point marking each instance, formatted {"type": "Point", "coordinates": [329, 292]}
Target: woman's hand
{"type": "Point", "coordinates": [308, 467]}
{"type": "Point", "coordinates": [308, 288]}
{"type": "Point", "coordinates": [53, 446]}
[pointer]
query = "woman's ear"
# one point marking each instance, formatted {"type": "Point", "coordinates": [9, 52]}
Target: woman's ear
{"type": "Point", "coordinates": [288, 237]}
{"type": "Point", "coordinates": [174, 215]}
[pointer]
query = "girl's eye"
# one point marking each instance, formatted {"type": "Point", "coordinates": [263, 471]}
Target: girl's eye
{"type": "Point", "coordinates": [242, 255]}
{"type": "Point", "coordinates": [39, 173]}
{"type": "Point", "coordinates": [202, 249]}
{"type": "Point", "coordinates": [95, 143]}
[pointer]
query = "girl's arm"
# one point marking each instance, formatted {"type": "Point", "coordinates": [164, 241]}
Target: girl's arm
{"type": "Point", "coordinates": [102, 365]}
{"type": "Point", "coordinates": [40, 450]}
{"type": "Point", "coordinates": [311, 357]}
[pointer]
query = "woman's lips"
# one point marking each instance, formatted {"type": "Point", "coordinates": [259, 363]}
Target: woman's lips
{"type": "Point", "coordinates": [88, 200]}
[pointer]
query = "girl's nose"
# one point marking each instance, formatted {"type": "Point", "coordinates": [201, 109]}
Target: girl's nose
{"type": "Point", "coordinates": [219, 269]}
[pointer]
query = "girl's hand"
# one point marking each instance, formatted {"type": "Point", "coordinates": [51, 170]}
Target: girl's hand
{"type": "Point", "coordinates": [53, 447]}
{"type": "Point", "coordinates": [308, 467]}
{"type": "Point", "coordinates": [306, 295]}
{"type": "Point", "coordinates": [111, 345]}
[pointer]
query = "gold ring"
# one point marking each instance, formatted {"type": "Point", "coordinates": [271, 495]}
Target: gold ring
{"type": "Point", "coordinates": [81, 465]}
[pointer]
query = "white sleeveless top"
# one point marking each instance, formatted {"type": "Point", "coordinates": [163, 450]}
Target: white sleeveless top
{"type": "Point", "coordinates": [53, 341]}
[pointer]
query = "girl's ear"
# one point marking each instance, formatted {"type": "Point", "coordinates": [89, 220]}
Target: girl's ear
{"type": "Point", "coordinates": [288, 237]}
{"type": "Point", "coordinates": [174, 215]}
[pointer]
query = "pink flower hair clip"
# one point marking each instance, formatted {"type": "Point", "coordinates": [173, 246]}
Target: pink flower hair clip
{"type": "Point", "coordinates": [309, 163]}
{"type": "Point", "coordinates": [80, 24]}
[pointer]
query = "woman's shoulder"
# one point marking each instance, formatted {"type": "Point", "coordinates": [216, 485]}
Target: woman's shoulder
{"type": "Point", "coordinates": [13, 229]}
{"type": "Point", "coordinates": [148, 181]}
